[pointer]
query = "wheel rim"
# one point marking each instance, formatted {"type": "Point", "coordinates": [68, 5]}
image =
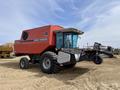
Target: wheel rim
{"type": "Point", "coordinates": [46, 63]}
{"type": "Point", "coordinates": [22, 64]}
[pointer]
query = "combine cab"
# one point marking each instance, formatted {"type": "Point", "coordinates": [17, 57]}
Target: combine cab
{"type": "Point", "coordinates": [51, 47]}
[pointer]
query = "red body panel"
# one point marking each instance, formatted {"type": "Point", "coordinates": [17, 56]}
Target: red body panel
{"type": "Point", "coordinates": [39, 39]}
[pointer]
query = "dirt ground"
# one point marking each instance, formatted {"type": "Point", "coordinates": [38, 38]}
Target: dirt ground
{"type": "Point", "coordinates": [85, 76]}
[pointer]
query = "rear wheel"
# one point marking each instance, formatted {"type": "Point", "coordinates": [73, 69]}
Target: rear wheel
{"type": "Point", "coordinates": [24, 63]}
{"type": "Point", "coordinates": [48, 63]}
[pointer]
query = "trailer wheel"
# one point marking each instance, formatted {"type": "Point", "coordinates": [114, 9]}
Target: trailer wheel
{"type": "Point", "coordinates": [97, 59]}
{"type": "Point", "coordinates": [2, 56]}
{"type": "Point", "coordinates": [48, 63]}
{"type": "Point", "coordinates": [24, 63]}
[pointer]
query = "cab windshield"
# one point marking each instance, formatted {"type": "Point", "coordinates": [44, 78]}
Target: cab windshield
{"type": "Point", "coordinates": [67, 40]}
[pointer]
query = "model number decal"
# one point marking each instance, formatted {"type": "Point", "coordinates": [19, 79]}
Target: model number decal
{"type": "Point", "coordinates": [40, 39]}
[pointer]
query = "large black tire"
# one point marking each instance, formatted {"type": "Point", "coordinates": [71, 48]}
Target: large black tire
{"type": "Point", "coordinates": [48, 63]}
{"type": "Point", "coordinates": [24, 63]}
{"type": "Point", "coordinates": [97, 59]}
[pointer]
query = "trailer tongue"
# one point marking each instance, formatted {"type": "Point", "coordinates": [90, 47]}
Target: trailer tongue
{"type": "Point", "coordinates": [52, 47]}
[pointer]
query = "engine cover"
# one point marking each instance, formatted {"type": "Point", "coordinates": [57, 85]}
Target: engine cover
{"type": "Point", "coordinates": [64, 57]}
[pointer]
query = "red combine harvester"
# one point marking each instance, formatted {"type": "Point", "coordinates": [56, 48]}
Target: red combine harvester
{"type": "Point", "coordinates": [52, 46]}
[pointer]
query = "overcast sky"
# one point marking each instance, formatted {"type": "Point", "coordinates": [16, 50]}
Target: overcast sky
{"type": "Point", "coordinates": [99, 19]}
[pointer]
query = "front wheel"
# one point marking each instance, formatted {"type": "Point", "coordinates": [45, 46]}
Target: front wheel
{"type": "Point", "coordinates": [48, 63]}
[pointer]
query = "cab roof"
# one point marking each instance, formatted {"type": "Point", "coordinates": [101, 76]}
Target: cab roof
{"type": "Point", "coordinates": [70, 30]}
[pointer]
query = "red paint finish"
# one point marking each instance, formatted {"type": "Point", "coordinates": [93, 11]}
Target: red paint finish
{"type": "Point", "coordinates": [39, 39]}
